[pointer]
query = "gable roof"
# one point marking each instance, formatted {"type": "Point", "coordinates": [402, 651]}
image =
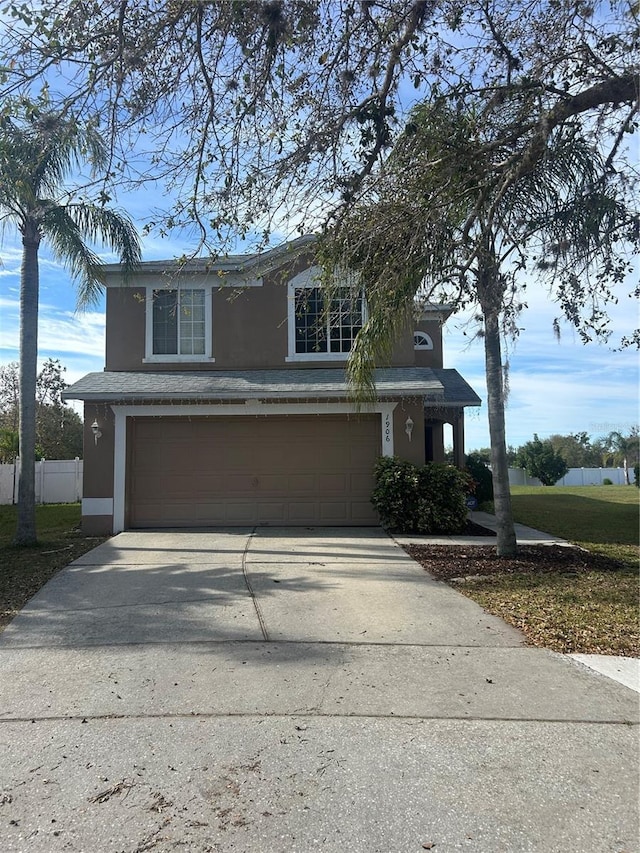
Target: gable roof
{"type": "Point", "coordinates": [258, 263]}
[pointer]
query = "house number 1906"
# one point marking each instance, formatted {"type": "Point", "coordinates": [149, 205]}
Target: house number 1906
{"type": "Point", "coordinates": [387, 429]}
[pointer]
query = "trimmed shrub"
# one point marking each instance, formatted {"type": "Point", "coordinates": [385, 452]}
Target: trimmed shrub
{"type": "Point", "coordinates": [481, 476]}
{"type": "Point", "coordinates": [607, 482]}
{"type": "Point", "coordinates": [425, 499]}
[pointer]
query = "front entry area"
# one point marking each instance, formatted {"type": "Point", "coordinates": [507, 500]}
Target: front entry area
{"type": "Point", "coordinates": [273, 469]}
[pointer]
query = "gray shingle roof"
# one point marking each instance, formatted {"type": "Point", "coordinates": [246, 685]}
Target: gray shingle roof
{"type": "Point", "coordinates": [257, 262]}
{"type": "Point", "coordinates": [457, 392]}
{"type": "Point", "coordinates": [301, 384]}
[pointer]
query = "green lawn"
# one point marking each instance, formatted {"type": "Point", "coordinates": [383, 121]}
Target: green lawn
{"type": "Point", "coordinates": [584, 611]}
{"type": "Point", "coordinates": [597, 514]}
{"type": "Point", "coordinates": [24, 570]}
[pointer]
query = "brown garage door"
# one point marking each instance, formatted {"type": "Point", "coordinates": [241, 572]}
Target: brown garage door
{"type": "Point", "coordinates": [251, 470]}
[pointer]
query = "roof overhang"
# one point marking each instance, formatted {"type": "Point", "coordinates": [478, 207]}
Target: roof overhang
{"type": "Point", "coordinates": [438, 388]}
{"type": "Point", "coordinates": [255, 264]}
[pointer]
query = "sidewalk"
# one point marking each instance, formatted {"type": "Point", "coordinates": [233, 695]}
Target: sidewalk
{"type": "Point", "coordinates": [524, 535]}
{"type": "Point", "coordinates": [621, 669]}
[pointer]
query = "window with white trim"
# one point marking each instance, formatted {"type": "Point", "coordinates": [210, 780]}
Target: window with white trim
{"type": "Point", "coordinates": [318, 330]}
{"type": "Point", "coordinates": [421, 340]}
{"type": "Point", "coordinates": [178, 324]}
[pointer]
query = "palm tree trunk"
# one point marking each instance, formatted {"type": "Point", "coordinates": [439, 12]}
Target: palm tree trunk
{"type": "Point", "coordinates": [506, 545]}
{"type": "Point", "coordinates": [29, 286]}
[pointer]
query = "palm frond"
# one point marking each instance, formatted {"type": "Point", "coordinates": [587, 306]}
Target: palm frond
{"type": "Point", "coordinates": [112, 228]}
{"type": "Point", "coordinates": [40, 148]}
{"type": "Point", "coordinates": [67, 228]}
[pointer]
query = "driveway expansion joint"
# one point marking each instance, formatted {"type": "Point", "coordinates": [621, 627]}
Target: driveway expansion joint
{"type": "Point", "coordinates": [254, 599]}
{"type": "Point", "coordinates": [312, 714]}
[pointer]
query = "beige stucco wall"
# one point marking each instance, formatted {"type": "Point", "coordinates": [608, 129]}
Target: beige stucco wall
{"type": "Point", "coordinates": [434, 357]}
{"type": "Point", "coordinates": [403, 447]}
{"type": "Point", "coordinates": [98, 458]}
{"type": "Point", "coordinates": [98, 465]}
{"type": "Point", "coordinates": [249, 324]}
{"type": "Point", "coordinates": [125, 328]}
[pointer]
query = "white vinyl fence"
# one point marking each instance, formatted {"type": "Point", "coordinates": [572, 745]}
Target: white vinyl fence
{"type": "Point", "coordinates": [57, 481]}
{"type": "Point", "coordinates": [574, 477]}
{"type": "Point", "coordinates": [60, 480]}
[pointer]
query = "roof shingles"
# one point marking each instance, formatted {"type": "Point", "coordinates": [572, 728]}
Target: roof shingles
{"type": "Point", "coordinates": [442, 386]}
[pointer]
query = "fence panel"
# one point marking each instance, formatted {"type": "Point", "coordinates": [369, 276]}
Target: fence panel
{"type": "Point", "coordinates": [574, 477]}
{"type": "Point", "coordinates": [57, 481]}
{"type": "Point", "coordinates": [6, 484]}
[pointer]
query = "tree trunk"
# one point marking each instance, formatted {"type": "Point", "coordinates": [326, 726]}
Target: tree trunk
{"type": "Point", "coordinates": [507, 546]}
{"type": "Point", "coordinates": [29, 285]}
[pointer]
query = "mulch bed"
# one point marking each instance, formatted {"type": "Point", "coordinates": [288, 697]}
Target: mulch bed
{"type": "Point", "coordinates": [446, 562]}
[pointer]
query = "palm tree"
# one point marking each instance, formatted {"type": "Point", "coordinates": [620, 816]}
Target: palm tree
{"type": "Point", "coordinates": [624, 449]}
{"type": "Point", "coordinates": [40, 148]}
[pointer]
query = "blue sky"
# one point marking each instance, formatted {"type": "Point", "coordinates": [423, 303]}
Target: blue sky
{"type": "Point", "coordinates": [555, 387]}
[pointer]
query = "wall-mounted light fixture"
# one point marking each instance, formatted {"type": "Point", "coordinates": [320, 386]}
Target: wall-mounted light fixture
{"type": "Point", "coordinates": [408, 427]}
{"type": "Point", "coordinates": [95, 429]}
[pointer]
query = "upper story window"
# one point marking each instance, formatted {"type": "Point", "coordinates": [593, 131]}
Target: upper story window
{"type": "Point", "coordinates": [178, 324]}
{"type": "Point", "coordinates": [421, 340]}
{"type": "Point", "coordinates": [318, 330]}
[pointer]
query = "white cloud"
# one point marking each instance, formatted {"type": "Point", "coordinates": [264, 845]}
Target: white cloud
{"type": "Point", "coordinates": [60, 333]}
{"type": "Point", "coordinates": [555, 387]}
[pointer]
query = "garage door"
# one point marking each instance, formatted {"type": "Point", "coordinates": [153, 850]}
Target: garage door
{"type": "Point", "coordinates": [294, 470]}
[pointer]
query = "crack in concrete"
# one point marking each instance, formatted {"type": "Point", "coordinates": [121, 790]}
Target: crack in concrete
{"type": "Point", "coordinates": [254, 599]}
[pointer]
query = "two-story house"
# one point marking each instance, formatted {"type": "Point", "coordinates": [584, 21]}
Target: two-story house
{"type": "Point", "coordinates": [224, 399]}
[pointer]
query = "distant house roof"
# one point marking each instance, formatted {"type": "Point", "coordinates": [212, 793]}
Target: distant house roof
{"type": "Point", "coordinates": [438, 387]}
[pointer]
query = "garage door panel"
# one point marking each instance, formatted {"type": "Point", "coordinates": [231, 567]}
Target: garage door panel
{"type": "Point", "coordinates": [361, 484]}
{"type": "Point", "coordinates": [245, 470]}
{"type": "Point", "coordinates": [303, 512]}
{"type": "Point", "coordinates": [237, 512]}
{"type": "Point", "coordinates": [271, 513]}
{"type": "Point", "coordinates": [211, 512]}
{"type": "Point", "coordinates": [302, 484]}
{"type": "Point", "coordinates": [276, 484]}
{"type": "Point", "coordinates": [335, 483]}
{"type": "Point", "coordinates": [334, 511]}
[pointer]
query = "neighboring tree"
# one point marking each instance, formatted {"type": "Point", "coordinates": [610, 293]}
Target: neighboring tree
{"type": "Point", "coordinates": [39, 150]}
{"type": "Point", "coordinates": [8, 444]}
{"type": "Point", "coordinates": [58, 427]}
{"type": "Point", "coordinates": [540, 460]}
{"type": "Point", "coordinates": [9, 396]}
{"type": "Point", "coordinates": [624, 449]}
{"type": "Point", "coordinates": [484, 454]}
{"type": "Point", "coordinates": [576, 450]}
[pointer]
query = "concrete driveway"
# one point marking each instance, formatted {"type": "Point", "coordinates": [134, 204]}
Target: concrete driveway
{"type": "Point", "coordinates": [292, 690]}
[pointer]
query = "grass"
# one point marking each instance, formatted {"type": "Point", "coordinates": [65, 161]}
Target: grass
{"type": "Point", "coordinates": [589, 515]}
{"type": "Point", "coordinates": [24, 570]}
{"type": "Point", "coordinates": [593, 611]}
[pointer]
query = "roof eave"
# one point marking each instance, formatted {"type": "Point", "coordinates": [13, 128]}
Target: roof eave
{"type": "Point", "coordinates": [336, 394]}
{"type": "Point", "coordinates": [264, 261]}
